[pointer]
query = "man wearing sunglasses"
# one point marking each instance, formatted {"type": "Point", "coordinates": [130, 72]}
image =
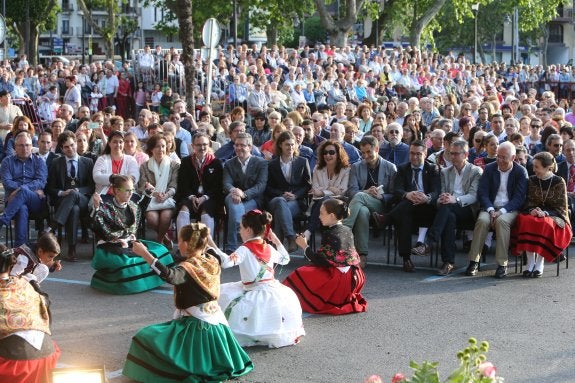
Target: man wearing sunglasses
{"type": "Point", "coordinates": [394, 150]}
{"type": "Point", "coordinates": [554, 145]}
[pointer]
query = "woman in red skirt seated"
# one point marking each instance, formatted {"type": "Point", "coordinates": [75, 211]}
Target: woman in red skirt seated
{"type": "Point", "coordinates": [333, 284]}
{"type": "Point", "coordinates": [543, 230]}
{"type": "Point", "coordinates": [27, 352]}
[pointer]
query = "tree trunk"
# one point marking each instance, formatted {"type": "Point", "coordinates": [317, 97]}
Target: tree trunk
{"type": "Point", "coordinates": [545, 30]}
{"type": "Point", "coordinates": [338, 29]}
{"type": "Point", "coordinates": [272, 34]}
{"type": "Point", "coordinates": [421, 23]}
{"type": "Point", "coordinates": [338, 37]}
{"type": "Point", "coordinates": [33, 45]}
{"type": "Point", "coordinates": [186, 23]}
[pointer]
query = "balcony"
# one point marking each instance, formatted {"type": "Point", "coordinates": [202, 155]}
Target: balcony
{"type": "Point", "coordinates": [564, 15]}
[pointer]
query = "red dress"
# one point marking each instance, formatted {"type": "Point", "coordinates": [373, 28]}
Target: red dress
{"type": "Point", "coordinates": [333, 284]}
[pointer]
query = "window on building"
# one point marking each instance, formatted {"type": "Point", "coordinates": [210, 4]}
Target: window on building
{"type": "Point", "coordinates": [555, 33]}
{"type": "Point", "coordinates": [65, 27]}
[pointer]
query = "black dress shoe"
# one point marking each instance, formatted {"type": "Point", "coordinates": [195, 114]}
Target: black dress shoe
{"type": "Point", "coordinates": [408, 266]}
{"type": "Point", "coordinates": [536, 274]}
{"type": "Point", "coordinates": [527, 274]}
{"type": "Point", "coordinates": [501, 272]}
{"type": "Point", "coordinates": [561, 258]}
{"type": "Point", "coordinates": [472, 268]}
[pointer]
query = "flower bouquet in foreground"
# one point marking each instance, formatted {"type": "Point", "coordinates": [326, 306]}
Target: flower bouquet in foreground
{"type": "Point", "coordinates": [473, 368]}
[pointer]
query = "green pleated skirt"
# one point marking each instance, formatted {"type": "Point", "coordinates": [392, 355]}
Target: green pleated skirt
{"type": "Point", "coordinates": [122, 272]}
{"type": "Point", "coordinates": [185, 350]}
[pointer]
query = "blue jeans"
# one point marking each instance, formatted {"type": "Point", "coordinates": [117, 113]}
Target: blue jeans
{"type": "Point", "coordinates": [19, 208]}
{"type": "Point", "coordinates": [235, 212]}
{"type": "Point", "coordinates": [283, 212]}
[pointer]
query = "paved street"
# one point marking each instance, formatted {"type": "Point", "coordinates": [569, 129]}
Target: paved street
{"type": "Point", "coordinates": [529, 324]}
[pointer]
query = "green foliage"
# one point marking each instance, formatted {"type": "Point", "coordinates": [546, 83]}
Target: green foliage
{"type": "Point", "coordinates": [473, 368]}
{"type": "Point", "coordinates": [41, 13]}
{"type": "Point", "coordinates": [314, 32]}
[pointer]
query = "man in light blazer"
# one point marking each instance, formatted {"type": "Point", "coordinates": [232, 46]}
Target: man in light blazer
{"type": "Point", "coordinates": [456, 204]}
{"type": "Point", "coordinates": [416, 188]}
{"type": "Point", "coordinates": [70, 185]}
{"type": "Point", "coordinates": [245, 179]}
{"type": "Point", "coordinates": [370, 188]}
{"type": "Point", "coordinates": [501, 194]}
{"type": "Point", "coordinates": [289, 182]}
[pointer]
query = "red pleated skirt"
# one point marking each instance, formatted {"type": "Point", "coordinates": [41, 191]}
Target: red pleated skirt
{"type": "Point", "coordinates": [29, 371]}
{"type": "Point", "coordinates": [540, 235]}
{"type": "Point", "coordinates": [326, 290]}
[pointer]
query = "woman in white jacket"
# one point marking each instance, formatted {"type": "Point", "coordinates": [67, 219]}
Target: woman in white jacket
{"type": "Point", "coordinates": [114, 161]}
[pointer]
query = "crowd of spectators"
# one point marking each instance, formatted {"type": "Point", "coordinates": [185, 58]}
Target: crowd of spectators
{"type": "Point", "coordinates": [356, 115]}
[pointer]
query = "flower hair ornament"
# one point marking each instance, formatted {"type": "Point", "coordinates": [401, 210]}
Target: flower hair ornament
{"type": "Point", "coordinates": [198, 231]}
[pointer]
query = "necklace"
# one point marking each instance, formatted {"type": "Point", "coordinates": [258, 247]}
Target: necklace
{"type": "Point", "coordinates": [541, 189]}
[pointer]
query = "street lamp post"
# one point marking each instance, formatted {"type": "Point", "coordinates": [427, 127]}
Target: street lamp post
{"type": "Point", "coordinates": [475, 9]}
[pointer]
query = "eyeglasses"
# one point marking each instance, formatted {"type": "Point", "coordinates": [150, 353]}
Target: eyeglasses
{"type": "Point", "coordinates": [535, 126]}
{"type": "Point", "coordinates": [301, 107]}
{"type": "Point", "coordinates": [557, 145]}
{"type": "Point", "coordinates": [455, 153]}
{"type": "Point", "coordinates": [329, 152]}
{"type": "Point", "coordinates": [316, 120]}
{"type": "Point", "coordinates": [393, 132]}
{"type": "Point", "coordinates": [124, 190]}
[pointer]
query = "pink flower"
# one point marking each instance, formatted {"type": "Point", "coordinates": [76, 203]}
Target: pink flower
{"type": "Point", "coordinates": [398, 378]}
{"type": "Point", "coordinates": [373, 379]}
{"type": "Point", "coordinates": [487, 369]}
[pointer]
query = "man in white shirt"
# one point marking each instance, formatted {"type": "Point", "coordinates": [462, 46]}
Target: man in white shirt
{"type": "Point", "coordinates": [112, 84]}
{"type": "Point", "coordinates": [501, 194]}
{"type": "Point", "coordinates": [8, 112]}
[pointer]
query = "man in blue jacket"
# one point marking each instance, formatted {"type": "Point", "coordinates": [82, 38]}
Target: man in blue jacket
{"type": "Point", "coordinates": [501, 194]}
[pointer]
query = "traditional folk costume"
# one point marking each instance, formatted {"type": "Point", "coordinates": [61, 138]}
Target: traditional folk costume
{"type": "Point", "coordinates": [28, 265]}
{"type": "Point", "coordinates": [333, 284]}
{"type": "Point", "coordinates": [547, 236]}
{"type": "Point", "coordinates": [27, 351]}
{"type": "Point", "coordinates": [118, 269]}
{"type": "Point", "coordinates": [261, 311]}
{"type": "Point", "coordinates": [197, 345]}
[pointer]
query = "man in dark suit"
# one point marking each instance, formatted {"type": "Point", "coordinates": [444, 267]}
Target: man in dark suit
{"type": "Point", "coordinates": [70, 185]}
{"type": "Point", "coordinates": [501, 194]}
{"type": "Point", "coordinates": [566, 170]}
{"type": "Point", "coordinates": [245, 179]}
{"type": "Point", "coordinates": [289, 181]}
{"type": "Point", "coordinates": [417, 186]}
{"type": "Point", "coordinates": [45, 146]}
{"type": "Point", "coordinates": [200, 189]}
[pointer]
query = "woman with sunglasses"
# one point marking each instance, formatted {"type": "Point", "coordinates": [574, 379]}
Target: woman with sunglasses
{"type": "Point", "coordinates": [475, 143]}
{"type": "Point", "coordinates": [116, 219]}
{"type": "Point", "coordinates": [329, 179]}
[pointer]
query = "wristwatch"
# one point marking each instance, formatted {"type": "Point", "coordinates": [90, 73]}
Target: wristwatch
{"type": "Point", "coordinates": [458, 201]}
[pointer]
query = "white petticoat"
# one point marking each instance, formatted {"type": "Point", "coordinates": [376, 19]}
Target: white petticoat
{"type": "Point", "coordinates": [267, 314]}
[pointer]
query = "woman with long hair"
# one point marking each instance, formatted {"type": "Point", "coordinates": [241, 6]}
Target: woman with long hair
{"type": "Point", "coordinates": [329, 179]}
{"type": "Point", "coordinates": [132, 147]}
{"type": "Point", "coordinates": [114, 161]}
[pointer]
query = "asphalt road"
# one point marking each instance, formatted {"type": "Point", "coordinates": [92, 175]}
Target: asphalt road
{"type": "Point", "coordinates": [528, 322]}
